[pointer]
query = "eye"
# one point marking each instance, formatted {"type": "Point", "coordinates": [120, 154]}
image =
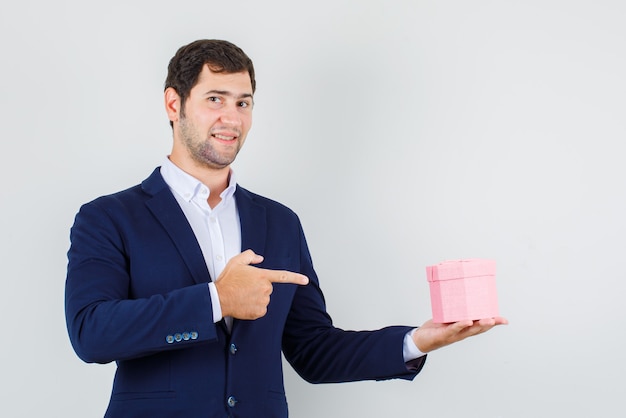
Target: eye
{"type": "Point", "coordinates": [244, 104]}
{"type": "Point", "coordinates": [214, 99]}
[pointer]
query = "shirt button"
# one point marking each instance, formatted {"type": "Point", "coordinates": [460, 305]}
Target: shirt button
{"type": "Point", "coordinates": [219, 257]}
{"type": "Point", "coordinates": [231, 401]}
{"type": "Point", "coordinates": [233, 349]}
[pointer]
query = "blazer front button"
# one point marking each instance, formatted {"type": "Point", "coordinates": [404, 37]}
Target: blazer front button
{"type": "Point", "coordinates": [233, 349]}
{"type": "Point", "coordinates": [231, 401]}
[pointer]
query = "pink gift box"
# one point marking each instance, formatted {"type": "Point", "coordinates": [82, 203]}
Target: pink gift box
{"type": "Point", "coordinates": [463, 289]}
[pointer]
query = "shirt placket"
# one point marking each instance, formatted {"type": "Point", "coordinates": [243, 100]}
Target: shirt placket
{"type": "Point", "coordinates": [218, 251]}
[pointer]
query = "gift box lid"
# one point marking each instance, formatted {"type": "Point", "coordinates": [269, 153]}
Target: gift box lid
{"type": "Point", "coordinates": [459, 269]}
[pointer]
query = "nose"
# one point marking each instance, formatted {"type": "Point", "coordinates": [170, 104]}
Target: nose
{"type": "Point", "coordinates": [230, 116]}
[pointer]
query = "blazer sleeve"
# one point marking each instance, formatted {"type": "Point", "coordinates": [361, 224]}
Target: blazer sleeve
{"type": "Point", "coordinates": [106, 319]}
{"type": "Point", "coordinates": [323, 353]}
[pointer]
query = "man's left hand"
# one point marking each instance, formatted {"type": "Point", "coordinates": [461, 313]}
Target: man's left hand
{"type": "Point", "coordinates": [431, 336]}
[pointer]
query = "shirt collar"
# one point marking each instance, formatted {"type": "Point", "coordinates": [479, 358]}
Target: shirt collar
{"type": "Point", "coordinates": [187, 186]}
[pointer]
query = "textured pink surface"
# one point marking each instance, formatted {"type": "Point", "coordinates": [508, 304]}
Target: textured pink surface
{"type": "Point", "coordinates": [463, 289]}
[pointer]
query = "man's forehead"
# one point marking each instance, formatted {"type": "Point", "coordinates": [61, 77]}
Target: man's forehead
{"type": "Point", "coordinates": [241, 78]}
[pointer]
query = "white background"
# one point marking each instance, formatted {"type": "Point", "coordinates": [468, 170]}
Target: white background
{"type": "Point", "coordinates": [404, 133]}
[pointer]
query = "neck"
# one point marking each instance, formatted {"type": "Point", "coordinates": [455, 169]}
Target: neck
{"type": "Point", "coordinates": [216, 179]}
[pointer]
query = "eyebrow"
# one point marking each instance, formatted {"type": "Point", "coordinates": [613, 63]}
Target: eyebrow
{"type": "Point", "coordinates": [228, 93]}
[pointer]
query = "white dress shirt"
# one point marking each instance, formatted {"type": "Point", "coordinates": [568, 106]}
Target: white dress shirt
{"type": "Point", "coordinates": [218, 231]}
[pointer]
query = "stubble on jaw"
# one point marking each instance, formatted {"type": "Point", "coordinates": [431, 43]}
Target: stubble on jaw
{"type": "Point", "coordinates": [200, 148]}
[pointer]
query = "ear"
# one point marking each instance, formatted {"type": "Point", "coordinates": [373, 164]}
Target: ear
{"type": "Point", "coordinates": [172, 104]}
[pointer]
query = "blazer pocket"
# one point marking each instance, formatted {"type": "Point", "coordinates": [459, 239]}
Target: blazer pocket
{"type": "Point", "coordinates": [145, 377]}
{"type": "Point", "coordinates": [276, 395]}
{"type": "Point", "coordinates": [125, 396]}
{"type": "Point", "coordinates": [278, 263]}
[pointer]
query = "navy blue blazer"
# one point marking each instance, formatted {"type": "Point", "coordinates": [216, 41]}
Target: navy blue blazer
{"type": "Point", "coordinates": [136, 293]}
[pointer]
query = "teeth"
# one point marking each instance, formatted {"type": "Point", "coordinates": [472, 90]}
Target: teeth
{"type": "Point", "coordinates": [224, 137]}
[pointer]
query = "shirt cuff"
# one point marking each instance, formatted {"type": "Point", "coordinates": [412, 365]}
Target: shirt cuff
{"type": "Point", "coordinates": [215, 302]}
{"type": "Point", "coordinates": [409, 349]}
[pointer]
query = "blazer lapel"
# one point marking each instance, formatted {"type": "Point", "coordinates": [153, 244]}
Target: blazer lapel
{"type": "Point", "coordinates": [253, 221]}
{"type": "Point", "coordinates": [253, 228]}
{"type": "Point", "coordinates": [166, 210]}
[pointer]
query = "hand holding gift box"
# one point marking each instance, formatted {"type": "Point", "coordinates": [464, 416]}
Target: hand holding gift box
{"type": "Point", "coordinates": [463, 289]}
{"type": "Point", "coordinates": [464, 303]}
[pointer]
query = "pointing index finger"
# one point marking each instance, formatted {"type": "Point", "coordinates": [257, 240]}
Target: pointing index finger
{"type": "Point", "coordinates": [284, 276]}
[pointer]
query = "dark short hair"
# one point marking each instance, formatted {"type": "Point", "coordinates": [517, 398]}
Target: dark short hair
{"type": "Point", "coordinates": [221, 57]}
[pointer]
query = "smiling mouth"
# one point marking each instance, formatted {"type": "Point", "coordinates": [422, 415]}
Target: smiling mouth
{"type": "Point", "coordinates": [224, 137]}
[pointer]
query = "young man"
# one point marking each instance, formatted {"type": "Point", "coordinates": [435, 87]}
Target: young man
{"type": "Point", "coordinates": [157, 280]}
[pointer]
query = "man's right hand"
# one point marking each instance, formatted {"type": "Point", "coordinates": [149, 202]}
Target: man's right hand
{"type": "Point", "coordinates": [244, 290]}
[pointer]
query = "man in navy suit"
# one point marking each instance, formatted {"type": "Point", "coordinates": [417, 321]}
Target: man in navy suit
{"type": "Point", "coordinates": [194, 285]}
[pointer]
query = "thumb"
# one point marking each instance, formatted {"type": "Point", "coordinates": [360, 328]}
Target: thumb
{"type": "Point", "coordinates": [248, 257]}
